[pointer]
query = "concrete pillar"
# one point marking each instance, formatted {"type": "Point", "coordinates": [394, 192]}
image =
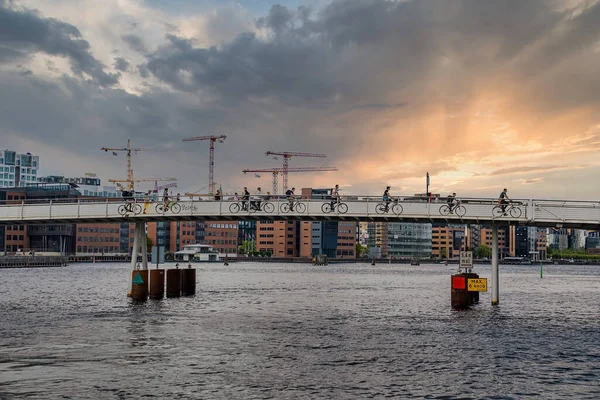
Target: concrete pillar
{"type": "Point", "coordinates": [144, 244]}
{"type": "Point", "coordinates": [134, 254]}
{"type": "Point", "coordinates": [495, 274]}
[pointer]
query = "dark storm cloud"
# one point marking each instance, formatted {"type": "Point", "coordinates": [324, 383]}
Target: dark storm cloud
{"type": "Point", "coordinates": [24, 32]}
{"type": "Point", "coordinates": [135, 42]}
{"type": "Point", "coordinates": [322, 82]}
{"type": "Point", "coordinates": [121, 64]}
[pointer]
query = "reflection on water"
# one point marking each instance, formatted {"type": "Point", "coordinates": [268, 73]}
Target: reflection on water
{"type": "Point", "coordinates": [299, 331]}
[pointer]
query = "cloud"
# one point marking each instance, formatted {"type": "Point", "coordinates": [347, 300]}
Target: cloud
{"type": "Point", "coordinates": [135, 42]}
{"type": "Point", "coordinates": [24, 32]}
{"type": "Point", "coordinates": [532, 181]}
{"type": "Point", "coordinates": [121, 64]}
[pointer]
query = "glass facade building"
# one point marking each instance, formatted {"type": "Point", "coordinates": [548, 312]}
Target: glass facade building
{"type": "Point", "coordinates": [18, 170]}
{"type": "Point", "coordinates": [407, 240]}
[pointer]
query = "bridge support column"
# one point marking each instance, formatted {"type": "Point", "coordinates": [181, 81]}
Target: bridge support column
{"type": "Point", "coordinates": [139, 242]}
{"type": "Point", "coordinates": [495, 274]}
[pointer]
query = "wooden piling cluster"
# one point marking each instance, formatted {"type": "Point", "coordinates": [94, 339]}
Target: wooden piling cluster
{"type": "Point", "coordinates": [179, 282]}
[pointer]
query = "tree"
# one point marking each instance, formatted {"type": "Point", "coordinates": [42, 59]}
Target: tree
{"type": "Point", "coordinates": [361, 250]}
{"type": "Point", "coordinates": [442, 252]}
{"type": "Point", "coordinates": [247, 247]}
{"type": "Point", "coordinates": [483, 251]}
{"type": "Point", "coordinates": [148, 242]}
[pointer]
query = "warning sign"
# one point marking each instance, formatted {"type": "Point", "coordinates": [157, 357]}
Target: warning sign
{"type": "Point", "coordinates": [477, 285]}
{"type": "Point", "coordinates": [137, 280]}
{"type": "Point", "coordinates": [466, 259]}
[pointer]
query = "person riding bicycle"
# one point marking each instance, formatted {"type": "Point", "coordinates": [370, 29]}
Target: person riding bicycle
{"type": "Point", "coordinates": [386, 198]}
{"type": "Point", "coordinates": [245, 199]}
{"type": "Point", "coordinates": [335, 196]}
{"type": "Point", "coordinates": [166, 197]}
{"type": "Point", "coordinates": [452, 202]}
{"type": "Point", "coordinates": [502, 200]}
{"type": "Point", "coordinates": [218, 195]}
{"type": "Point", "coordinates": [257, 199]}
{"type": "Point", "coordinates": [128, 197]}
{"type": "Point", "coordinates": [291, 197]}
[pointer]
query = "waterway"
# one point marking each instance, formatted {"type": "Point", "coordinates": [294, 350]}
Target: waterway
{"type": "Point", "coordinates": [289, 331]}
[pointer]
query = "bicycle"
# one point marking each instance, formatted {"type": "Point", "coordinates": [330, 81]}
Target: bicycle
{"type": "Point", "coordinates": [172, 206]}
{"type": "Point", "coordinates": [293, 205]}
{"type": "Point", "coordinates": [384, 207]}
{"type": "Point", "coordinates": [327, 208]}
{"type": "Point", "coordinates": [511, 208]}
{"type": "Point", "coordinates": [236, 207]}
{"type": "Point", "coordinates": [457, 209]}
{"type": "Point", "coordinates": [130, 207]}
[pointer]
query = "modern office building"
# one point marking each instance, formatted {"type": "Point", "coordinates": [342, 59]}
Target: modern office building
{"type": "Point", "coordinates": [407, 240]}
{"type": "Point", "coordinates": [88, 185]}
{"type": "Point", "coordinates": [18, 170]}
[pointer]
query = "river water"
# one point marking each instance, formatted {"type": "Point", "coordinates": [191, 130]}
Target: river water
{"type": "Point", "coordinates": [289, 331]}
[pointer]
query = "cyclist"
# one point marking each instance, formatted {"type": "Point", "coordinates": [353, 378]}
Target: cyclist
{"type": "Point", "coordinates": [335, 196]}
{"type": "Point", "coordinates": [166, 198]}
{"type": "Point", "coordinates": [386, 198]}
{"type": "Point", "coordinates": [128, 197]}
{"type": "Point", "coordinates": [502, 200]}
{"type": "Point", "coordinates": [245, 199]}
{"type": "Point", "coordinates": [257, 199]}
{"type": "Point", "coordinates": [218, 195]}
{"type": "Point", "coordinates": [452, 202]}
{"type": "Point", "coordinates": [147, 200]}
{"type": "Point", "coordinates": [290, 196]}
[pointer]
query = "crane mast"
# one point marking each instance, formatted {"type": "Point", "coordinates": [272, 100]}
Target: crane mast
{"type": "Point", "coordinates": [286, 162]}
{"type": "Point", "coordinates": [211, 167]}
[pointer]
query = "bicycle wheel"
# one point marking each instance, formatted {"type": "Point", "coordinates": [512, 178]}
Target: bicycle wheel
{"type": "Point", "coordinates": [234, 208]}
{"type": "Point", "coordinates": [380, 208]}
{"type": "Point", "coordinates": [175, 208]}
{"type": "Point", "coordinates": [300, 207]}
{"type": "Point", "coordinates": [397, 209]}
{"type": "Point", "coordinates": [342, 208]}
{"type": "Point", "coordinates": [136, 208]}
{"type": "Point", "coordinates": [122, 209]}
{"type": "Point", "coordinates": [160, 207]}
{"type": "Point", "coordinates": [460, 211]}
{"type": "Point", "coordinates": [285, 207]}
{"type": "Point", "coordinates": [326, 208]}
{"type": "Point", "coordinates": [515, 212]}
{"type": "Point", "coordinates": [444, 210]}
{"type": "Point", "coordinates": [497, 212]}
{"type": "Point", "coordinates": [268, 207]}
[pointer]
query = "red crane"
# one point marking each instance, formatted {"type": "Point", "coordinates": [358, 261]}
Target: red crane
{"type": "Point", "coordinates": [211, 167]}
{"type": "Point", "coordinates": [277, 171]}
{"type": "Point", "coordinates": [286, 159]}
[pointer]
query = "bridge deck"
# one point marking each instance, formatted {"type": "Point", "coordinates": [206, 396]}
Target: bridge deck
{"type": "Point", "coordinates": [542, 213]}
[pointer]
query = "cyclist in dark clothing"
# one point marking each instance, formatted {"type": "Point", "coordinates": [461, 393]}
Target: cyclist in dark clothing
{"type": "Point", "coordinates": [128, 197]}
{"type": "Point", "coordinates": [386, 198]}
{"type": "Point", "coordinates": [502, 200]}
{"type": "Point", "coordinates": [451, 202]}
{"type": "Point", "coordinates": [290, 197]}
{"type": "Point", "coordinates": [245, 199]}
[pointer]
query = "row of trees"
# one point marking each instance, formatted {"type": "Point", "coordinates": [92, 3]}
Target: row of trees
{"type": "Point", "coordinates": [576, 254]}
{"type": "Point", "coordinates": [248, 248]}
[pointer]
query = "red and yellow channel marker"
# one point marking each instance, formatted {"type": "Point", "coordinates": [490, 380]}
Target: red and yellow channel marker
{"type": "Point", "coordinates": [477, 285]}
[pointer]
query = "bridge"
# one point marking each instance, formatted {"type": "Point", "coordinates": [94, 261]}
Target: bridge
{"type": "Point", "coordinates": [529, 212]}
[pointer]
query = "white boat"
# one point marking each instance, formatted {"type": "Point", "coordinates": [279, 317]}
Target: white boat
{"type": "Point", "coordinates": [197, 252]}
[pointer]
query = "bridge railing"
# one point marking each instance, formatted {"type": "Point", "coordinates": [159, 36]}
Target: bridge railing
{"type": "Point", "coordinates": [548, 211]}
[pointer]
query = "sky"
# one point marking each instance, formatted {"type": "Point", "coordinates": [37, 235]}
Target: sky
{"type": "Point", "coordinates": [482, 95]}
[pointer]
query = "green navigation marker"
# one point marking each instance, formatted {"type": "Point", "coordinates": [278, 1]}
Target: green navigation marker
{"type": "Point", "coordinates": [138, 279]}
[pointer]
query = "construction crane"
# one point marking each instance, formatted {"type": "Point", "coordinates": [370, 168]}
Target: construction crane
{"type": "Point", "coordinates": [286, 162]}
{"type": "Point", "coordinates": [211, 167]}
{"type": "Point", "coordinates": [277, 171]}
{"type": "Point", "coordinates": [130, 181]}
{"type": "Point", "coordinates": [158, 187]}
